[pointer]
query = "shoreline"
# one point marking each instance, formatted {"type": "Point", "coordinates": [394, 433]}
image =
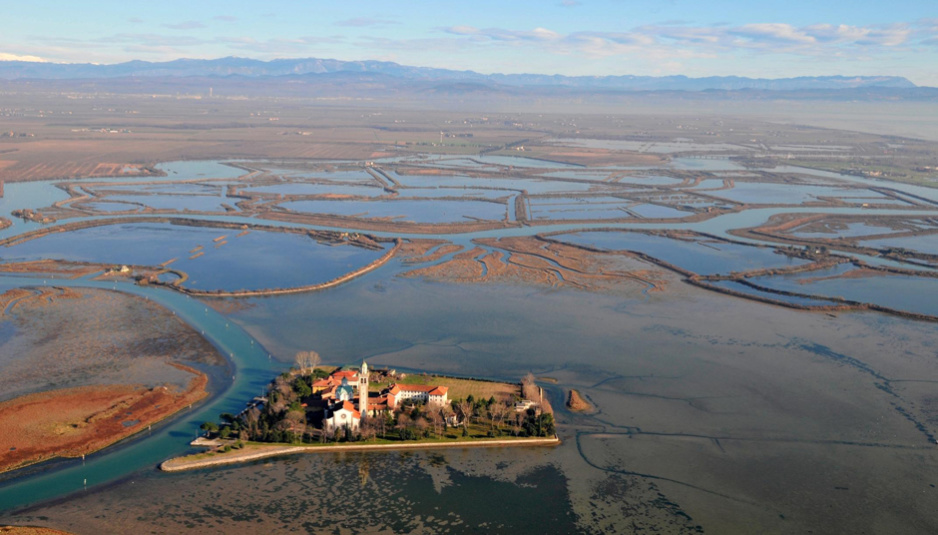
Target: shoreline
{"type": "Point", "coordinates": [180, 464]}
{"type": "Point", "coordinates": [194, 394]}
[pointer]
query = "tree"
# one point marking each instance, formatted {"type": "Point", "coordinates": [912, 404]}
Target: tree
{"type": "Point", "coordinates": [251, 420]}
{"type": "Point", "coordinates": [295, 421]}
{"type": "Point", "coordinates": [436, 419]}
{"type": "Point", "coordinates": [516, 422]}
{"type": "Point", "coordinates": [307, 361]}
{"type": "Point", "coordinates": [423, 428]}
{"type": "Point", "coordinates": [445, 413]}
{"type": "Point", "coordinates": [369, 428]}
{"type": "Point", "coordinates": [528, 388]}
{"type": "Point", "coordinates": [210, 427]}
{"type": "Point", "coordinates": [465, 411]}
{"type": "Point", "coordinates": [302, 388]}
{"type": "Point", "coordinates": [403, 422]}
{"type": "Point", "coordinates": [498, 412]}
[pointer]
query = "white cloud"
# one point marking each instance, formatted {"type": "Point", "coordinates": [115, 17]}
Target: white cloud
{"type": "Point", "coordinates": [684, 41]}
{"type": "Point", "coordinates": [15, 57]}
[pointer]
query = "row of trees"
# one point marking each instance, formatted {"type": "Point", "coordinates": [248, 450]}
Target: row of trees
{"type": "Point", "coordinates": [283, 418]}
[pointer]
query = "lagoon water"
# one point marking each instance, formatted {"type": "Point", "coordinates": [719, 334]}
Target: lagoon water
{"type": "Point", "coordinates": [437, 211]}
{"type": "Point", "coordinates": [704, 257]}
{"type": "Point", "coordinates": [711, 410]}
{"type": "Point", "coordinates": [256, 260]}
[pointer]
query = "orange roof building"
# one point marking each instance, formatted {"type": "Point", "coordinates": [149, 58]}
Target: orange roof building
{"type": "Point", "coordinates": [342, 416]}
{"type": "Point", "coordinates": [429, 394]}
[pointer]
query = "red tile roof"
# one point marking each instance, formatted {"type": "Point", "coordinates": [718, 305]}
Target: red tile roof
{"type": "Point", "coordinates": [350, 375]}
{"type": "Point", "coordinates": [430, 389]}
{"type": "Point", "coordinates": [347, 405]}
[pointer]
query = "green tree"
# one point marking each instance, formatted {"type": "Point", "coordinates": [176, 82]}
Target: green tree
{"type": "Point", "coordinates": [302, 388]}
{"type": "Point", "coordinates": [211, 427]}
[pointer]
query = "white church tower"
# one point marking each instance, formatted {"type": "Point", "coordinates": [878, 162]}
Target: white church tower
{"type": "Point", "coordinates": [363, 391]}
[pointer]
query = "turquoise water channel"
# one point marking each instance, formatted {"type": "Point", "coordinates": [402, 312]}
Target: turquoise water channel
{"type": "Point", "coordinates": [254, 370]}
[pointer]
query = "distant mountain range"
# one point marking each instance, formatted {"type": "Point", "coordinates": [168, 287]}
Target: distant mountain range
{"type": "Point", "coordinates": [393, 74]}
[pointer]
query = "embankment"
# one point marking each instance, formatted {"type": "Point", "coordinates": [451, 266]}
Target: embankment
{"type": "Point", "coordinates": [263, 451]}
{"type": "Point", "coordinates": [298, 289]}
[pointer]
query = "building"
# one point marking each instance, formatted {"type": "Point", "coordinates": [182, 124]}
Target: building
{"type": "Point", "coordinates": [339, 392]}
{"type": "Point", "coordinates": [363, 390]}
{"type": "Point", "coordinates": [340, 416]}
{"type": "Point", "coordinates": [344, 392]}
{"type": "Point", "coordinates": [429, 394]}
{"type": "Point", "coordinates": [328, 385]}
{"type": "Point", "coordinates": [341, 413]}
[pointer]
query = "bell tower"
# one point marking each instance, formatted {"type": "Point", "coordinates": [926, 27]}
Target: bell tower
{"type": "Point", "coordinates": [363, 391]}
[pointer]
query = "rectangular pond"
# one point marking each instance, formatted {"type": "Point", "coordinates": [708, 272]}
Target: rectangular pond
{"type": "Point", "coordinates": [702, 256]}
{"type": "Point", "coordinates": [369, 189]}
{"type": "Point", "coordinates": [927, 244]}
{"type": "Point", "coordinates": [900, 292]}
{"type": "Point", "coordinates": [436, 211]}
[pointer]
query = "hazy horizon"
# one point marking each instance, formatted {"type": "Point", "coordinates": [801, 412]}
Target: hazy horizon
{"type": "Point", "coordinates": [569, 37]}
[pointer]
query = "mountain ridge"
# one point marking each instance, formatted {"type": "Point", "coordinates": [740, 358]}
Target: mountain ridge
{"type": "Point", "coordinates": [258, 69]}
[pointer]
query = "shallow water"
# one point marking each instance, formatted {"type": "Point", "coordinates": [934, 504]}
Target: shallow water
{"type": "Point", "coordinates": [179, 203]}
{"type": "Point", "coordinates": [704, 257]}
{"type": "Point", "coordinates": [756, 193]}
{"type": "Point", "coordinates": [927, 244]}
{"type": "Point", "coordinates": [701, 399]}
{"type": "Point", "coordinates": [256, 260]}
{"type": "Point", "coordinates": [297, 188]}
{"type": "Point", "coordinates": [735, 286]}
{"type": "Point", "coordinates": [436, 211]}
{"type": "Point", "coordinates": [899, 292]}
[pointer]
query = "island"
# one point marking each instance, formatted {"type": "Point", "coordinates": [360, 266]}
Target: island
{"type": "Point", "coordinates": [314, 408]}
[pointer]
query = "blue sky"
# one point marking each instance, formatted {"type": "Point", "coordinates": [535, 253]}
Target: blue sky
{"type": "Point", "coordinates": [574, 37]}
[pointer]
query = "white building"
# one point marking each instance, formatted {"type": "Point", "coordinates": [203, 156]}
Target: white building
{"type": "Point", "coordinates": [429, 394]}
{"type": "Point", "coordinates": [342, 416]}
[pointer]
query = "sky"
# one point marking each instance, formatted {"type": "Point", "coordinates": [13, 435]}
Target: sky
{"type": "Point", "coordinates": [765, 39]}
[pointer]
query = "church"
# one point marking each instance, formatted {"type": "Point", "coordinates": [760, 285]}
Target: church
{"type": "Point", "coordinates": [343, 388]}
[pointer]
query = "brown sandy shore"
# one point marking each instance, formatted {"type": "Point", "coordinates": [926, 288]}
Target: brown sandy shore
{"type": "Point", "coordinates": [257, 451]}
{"type": "Point", "coordinates": [30, 530]}
{"type": "Point", "coordinates": [86, 369]}
{"type": "Point", "coordinates": [576, 402]}
{"type": "Point", "coordinates": [73, 422]}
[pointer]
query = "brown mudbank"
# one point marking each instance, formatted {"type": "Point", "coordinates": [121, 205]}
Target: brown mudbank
{"type": "Point", "coordinates": [91, 368]}
{"type": "Point", "coordinates": [575, 402]}
{"type": "Point", "coordinates": [76, 421]}
{"type": "Point", "coordinates": [30, 530]}
{"type": "Point", "coordinates": [533, 260]}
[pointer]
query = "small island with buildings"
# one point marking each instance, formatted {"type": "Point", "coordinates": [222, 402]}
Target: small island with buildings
{"type": "Point", "coordinates": [313, 408]}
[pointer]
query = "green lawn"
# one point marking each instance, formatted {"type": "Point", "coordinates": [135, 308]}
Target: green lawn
{"type": "Point", "coordinates": [458, 388]}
